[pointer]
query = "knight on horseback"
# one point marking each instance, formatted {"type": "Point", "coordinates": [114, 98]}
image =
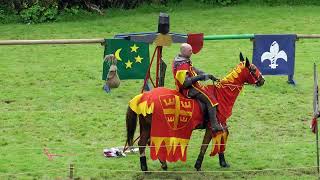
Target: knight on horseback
{"type": "Point", "coordinates": [187, 79]}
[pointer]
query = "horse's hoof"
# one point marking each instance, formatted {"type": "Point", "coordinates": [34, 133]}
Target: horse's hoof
{"type": "Point", "coordinates": [144, 168]}
{"type": "Point", "coordinates": [222, 161]}
{"type": "Point", "coordinates": [198, 163]}
{"type": "Point", "coordinates": [197, 166]}
{"type": "Point", "coordinates": [143, 163]}
{"type": "Point", "coordinates": [224, 165]}
{"type": "Point", "coordinates": [165, 167]}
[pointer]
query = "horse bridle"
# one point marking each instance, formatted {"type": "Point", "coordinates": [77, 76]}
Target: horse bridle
{"type": "Point", "coordinates": [260, 79]}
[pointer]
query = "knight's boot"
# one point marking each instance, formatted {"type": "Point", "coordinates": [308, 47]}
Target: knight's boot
{"type": "Point", "coordinates": [212, 113]}
{"type": "Point", "coordinates": [143, 163]}
{"type": "Point", "coordinates": [199, 162]}
{"type": "Point", "coordinates": [222, 161]}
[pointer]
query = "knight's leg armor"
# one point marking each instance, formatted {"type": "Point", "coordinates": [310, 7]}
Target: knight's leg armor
{"type": "Point", "coordinates": [212, 111]}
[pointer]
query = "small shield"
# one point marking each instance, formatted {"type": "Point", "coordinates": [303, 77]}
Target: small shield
{"type": "Point", "coordinates": [196, 41]}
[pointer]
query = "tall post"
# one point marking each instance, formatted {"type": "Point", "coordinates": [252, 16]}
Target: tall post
{"type": "Point", "coordinates": [163, 68]}
{"type": "Point", "coordinates": [71, 171]}
{"type": "Point", "coordinates": [317, 141]}
{"type": "Point", "coordinates": [316, 110]}
{"type": "Point", "coordinates": [159, 56]}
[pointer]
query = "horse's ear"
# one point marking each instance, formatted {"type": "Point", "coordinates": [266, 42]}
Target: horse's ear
{"type": "Point", "coordinates": [247, 62]}
{"type": "Point", "coordinates": [241, 57]}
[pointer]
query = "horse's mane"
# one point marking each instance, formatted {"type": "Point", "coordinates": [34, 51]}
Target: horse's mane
{"type": "Point", "coordinates": [234, 74]}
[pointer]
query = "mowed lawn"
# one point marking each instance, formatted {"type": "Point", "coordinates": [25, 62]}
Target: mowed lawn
{"type": "Point", "coordinates": [51, 97]}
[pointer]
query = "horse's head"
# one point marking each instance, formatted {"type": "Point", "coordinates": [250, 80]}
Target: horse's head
{"type": "Point", "coordinates": [252, 74]}
{"type": "Point", "coordinates": [244, 73]}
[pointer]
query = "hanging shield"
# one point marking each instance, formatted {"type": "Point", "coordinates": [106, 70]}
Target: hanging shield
{"type": "Point", "coordinates": [196, 41]}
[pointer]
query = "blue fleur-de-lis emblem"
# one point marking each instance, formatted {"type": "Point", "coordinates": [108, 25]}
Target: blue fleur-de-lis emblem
{"type": "Point", "coordinates": [274, 55]}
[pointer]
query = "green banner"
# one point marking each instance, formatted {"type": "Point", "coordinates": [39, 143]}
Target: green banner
{"type": "Point", "coordinates": [132, 58]}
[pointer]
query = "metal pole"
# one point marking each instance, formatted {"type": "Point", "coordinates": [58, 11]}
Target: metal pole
{"type": "Point", "coordinates": [230, 36]}
{"type": "Point", "coordinates": [251, 36]}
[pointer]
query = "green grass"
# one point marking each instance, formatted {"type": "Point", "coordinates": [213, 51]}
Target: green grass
{"type": "Point", "coordinates": [51, 96]}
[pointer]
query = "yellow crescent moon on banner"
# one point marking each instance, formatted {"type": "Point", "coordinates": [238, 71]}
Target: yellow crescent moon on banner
{"type": "Point", "coordinates": [117, 54]}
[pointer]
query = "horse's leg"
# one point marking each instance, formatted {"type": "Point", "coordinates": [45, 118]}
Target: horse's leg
{"type": "Point", "coordinates": [144, 137]}
{"type": "Point", "coordinates": [222, 161]}
{"type": "Point", "coordinates": [164, 165]}
{"type": "Point", "coordinates": [206, 140]}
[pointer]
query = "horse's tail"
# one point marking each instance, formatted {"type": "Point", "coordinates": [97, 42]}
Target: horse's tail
{"type": "Point", "coordinates": [131, 122]}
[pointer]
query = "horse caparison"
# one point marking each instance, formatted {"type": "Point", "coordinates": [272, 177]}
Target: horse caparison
{"type": "Point", "coordinates": [229, 87]}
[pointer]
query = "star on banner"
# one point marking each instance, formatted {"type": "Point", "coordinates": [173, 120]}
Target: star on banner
{"type": "Point", "coordinates": [128, 64]}
{"type": "Point", "coordinates": [134, 48]}
{"type": "Point", "coordinates": [138, 59]}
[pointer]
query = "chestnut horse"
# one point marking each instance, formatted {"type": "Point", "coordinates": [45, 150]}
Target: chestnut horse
{"type": "Point", "coordinates": [226, 91]}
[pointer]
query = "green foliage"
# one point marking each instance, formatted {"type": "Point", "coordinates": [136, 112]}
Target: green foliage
{"type": "Point", "coordinates": [281, 2]}
{"type": "Point", "coordinates": [74, 10]}
{"type": "Point", "coordinates": [7, 16]}
{"type": "Point", "coordinates": [39, 14]}
{"type": "Point", "coordinates": [292, 2]}
{"type": "Point", "coordinates": [37, 11]}
{"type": "Point", "coordinates": [2, 15]}
{"type": "Point", "coordinates": [220, 2]}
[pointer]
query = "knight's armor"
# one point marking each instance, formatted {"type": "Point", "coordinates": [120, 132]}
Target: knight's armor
{"type": "Point", "coordinates": [187, 82]}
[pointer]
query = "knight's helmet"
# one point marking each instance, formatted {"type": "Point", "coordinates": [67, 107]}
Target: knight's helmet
{"type": "Point", "coordinates": [163, 25]}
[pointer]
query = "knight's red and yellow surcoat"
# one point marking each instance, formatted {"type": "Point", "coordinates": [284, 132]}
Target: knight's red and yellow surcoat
{"type": "Point", "coordinates": [184, 70]}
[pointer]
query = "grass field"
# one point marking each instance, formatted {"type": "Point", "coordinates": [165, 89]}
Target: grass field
{"type": "Point", "coordinates": [51, 96]}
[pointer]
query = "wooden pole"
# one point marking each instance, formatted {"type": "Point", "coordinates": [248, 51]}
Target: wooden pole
{"type": "Point", "coordinates": [52, 41]}
{"type": "Point", "coordinates": [159, 56]}
{"type": "Point", "coordinates": [308, 36]}
{"type": "Point", "coordinates": [71, 171]}
{"type": "Point", "coordinates": [101, 40]}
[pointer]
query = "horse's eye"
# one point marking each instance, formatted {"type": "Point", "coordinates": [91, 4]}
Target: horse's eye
{"type": "Point", "coordinates": [253, 69]}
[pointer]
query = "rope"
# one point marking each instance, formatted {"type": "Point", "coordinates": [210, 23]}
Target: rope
{"type": "Point", "coordinates": [64, 148]}
{"type": "Point", "coordinates": [30, 172]}
{"type": "Point", "coordinates": [197, 172]}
